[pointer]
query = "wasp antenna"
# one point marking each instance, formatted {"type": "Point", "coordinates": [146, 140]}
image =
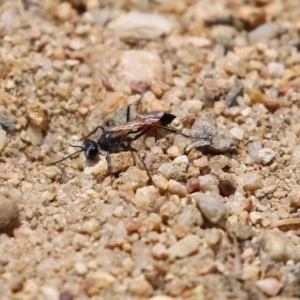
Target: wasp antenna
{"type": "Point", "coordinates": [71, 155]}
{"type": "Point", "coordinates": [77, 146]}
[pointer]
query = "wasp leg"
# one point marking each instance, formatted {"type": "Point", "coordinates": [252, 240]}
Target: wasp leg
{"type": "Point", "coordinates": [132, 150]}
{"type": "Point", "coordinates": [108, 160]}
{"type": "Point", "coordinates": [92, 132]}
{"type": "Point", "coordinates": [128, 108]}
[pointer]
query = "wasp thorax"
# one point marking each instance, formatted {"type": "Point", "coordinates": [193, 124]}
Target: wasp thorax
{"type": "Point", "coordinates": [91, 149]}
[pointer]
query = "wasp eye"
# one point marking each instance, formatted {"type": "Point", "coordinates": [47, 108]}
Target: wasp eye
{"type": "Point", "coordinates": [91, 149]}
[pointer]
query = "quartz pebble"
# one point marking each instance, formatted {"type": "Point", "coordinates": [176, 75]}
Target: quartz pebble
{"type": "Point", "coordinates": [252, 182]}
{"type": "Point", "coordinates": [175, 187]}
{"type": "Point", "coordinates": [144, 197]}
{"type": "Point", "coordinates": [237, 133]}
{"type": "Point", "coordinates": [140, 287]}
{"type": "Point", "coordinates": [265, 155]}
{"type": "Point", "coordinates": [173, 170]}
{"type": "Point", "coordinates": [263, 33]}
{"type": "Point", "coordinates": [137, 25]}
{"type": "Point", "coordinates": [184, 247]}
{"type": "Point", "coordinates": [190, 216]}
{"type": "Point", "coordinates": [253, 149]}
{"type": "Point", "coordinates": [159, 251]}
{"type": "Point", "coordinates": [213, 209]}
{"type": "Point", "coordinates": [269, 286]}
{"type": "Point", "coordinates": [140, 65]}
{"type": "Point", "coordinates": [50, 293]}
{"type": "Point", "coordinates": [276, 246]}
{"type": "Point", "coordinates": [64, 11]}
{"type": "Point", "coordinates": [209, 183]}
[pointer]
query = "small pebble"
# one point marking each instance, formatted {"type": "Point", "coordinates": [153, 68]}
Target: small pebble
{"type": "Point", "coordinates": [177, 188]}
{"type": "Point", "coordinates": [51, 172]}
{"type": "Point", "coordinates": [80, 268]}
{"type": "Point", "coordinates": [253, 148]}
{"type": "Point", "coordinates": [160, 182]}
{"type": "Point", "coordinates": [132, 225]}
{"type": "Point", "coordinates": [252, 182]}
{"type": "Point", "coordinates": [145, 197]}
{"type": "Point", "coordinates": [190, 216]}
{"type": "Point", "coordinates": [209, 183]}
{"type": "Point", "coordinates": [265, 155]}
{"type": "Point", "coordinates": [213, 209]}
{"type": "Point", "coordinates": [235, 91]}
{"type": "Point", "coordinates": [173, 152]}
{"type": "Point", "coordinates": [173, 170]}
{"type": "Point", "coordinates": [276, 246]}
{"type": "Point", "coordinates": [159, 251]}
{"type": "Point", "coordinates": [201, 162]}
{"type": "Point", "coordinates": [137, 25]}
{"type": "Point", "coordinates": [275, 69]}
{"type": "Point", "coordinates": [213, 236]}
{"type": "Point", "coordinates": [90, 226]}
{"type": "Point", "coordinates": [241, 231]}
{"type": "Point", "coordinates": [16, 284]}
{"type": "Point", "coordinates": [263, 33]}
{"type": "Point", "coordinates": [9, 213]}
{"type": "Point", "coordinates": [184, 247]}
{"type": "Point", "coordinates": [227, 184]}
{"type": "Point", "coordinates": [269, 286]}
{"type": "Point", "coordinates": [63, 11]}
{"type": "Point", "coordinates": [66, 295]}
{"type": "Point", "coordinates": [237, 133]}
{"type": "Point", "coordinates": [140, 65]}
{"type": "Point", "coordinates": [193, 185]}
{"type": "Point", "coordinates": [49, 292]}
{"type": "Point", "coordinates": [101, 280]}
{"type": "Point", "coordinates": [140, 287]}
{"type": "Point", "coordinates": [294, 197]}
{"type": "Point", "coordinates": [168, 210]}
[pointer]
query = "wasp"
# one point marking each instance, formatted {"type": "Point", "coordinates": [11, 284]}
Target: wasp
{"type": "Point", "coordinates": [119, 138]}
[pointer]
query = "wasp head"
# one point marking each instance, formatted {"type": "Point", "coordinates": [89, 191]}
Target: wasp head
{"type": "Point", "coordinates": [91, 149]}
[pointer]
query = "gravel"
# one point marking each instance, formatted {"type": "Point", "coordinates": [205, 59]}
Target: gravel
{"type": "Point", "coordinates": [218, 217]}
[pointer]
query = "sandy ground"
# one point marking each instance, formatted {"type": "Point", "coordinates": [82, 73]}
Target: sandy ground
{"type": "Point", "coordinates": [220, 218]}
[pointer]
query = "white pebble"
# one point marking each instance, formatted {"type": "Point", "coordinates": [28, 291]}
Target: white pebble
{"type": "Point", "coordinates": [50, 293]}
{"type": "Point", "coordinates": [177, 188]}
{"type": "Point", "coordinates": [213, 209]}
{"type": "Point", "coordinates": [269, 286]}
{"type": "Point", "coordinates": [184, 247]}
{"type": "Point", "coordinates": [265, 155]}
{"type": "Point", "coordinates": [276, 246]}
{"type": "Point", "coordinates": [275, 69]}
{"type": "Point", "coordinates": [237, 133]}
{"type": "Point", "coordinates": [209, 183]}
{"type": "Point", "coordinates": [159, 251]}
{"type": "Point", "coordinates": [252, 182]}
{"type": "Point", "coordinates": [263, 33]}
{"type": "Point", "coordinates": [253, 148]}
{"type": "Point", "coordinates": [137, 25]}
{"type": "Point", "coordinates": [140, 65]}
{"type": "Point", "coordinates": [80, 268]}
